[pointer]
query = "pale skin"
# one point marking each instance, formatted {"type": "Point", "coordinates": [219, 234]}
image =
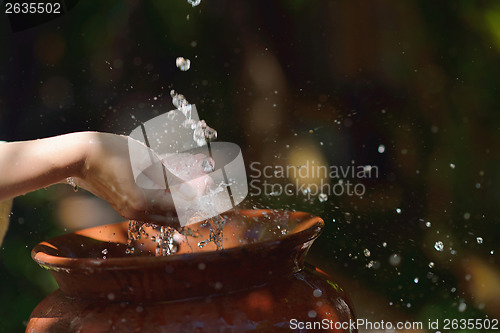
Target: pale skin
{"type": "Point", "coordinates": [98, 162]}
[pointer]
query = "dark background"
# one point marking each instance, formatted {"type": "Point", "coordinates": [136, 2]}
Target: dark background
{"type": "Point", "coordinates": [323, 80]}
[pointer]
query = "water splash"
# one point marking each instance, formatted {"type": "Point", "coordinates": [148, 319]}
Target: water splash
{"type": "Point", "coordinates": [183, 64]}
{"type": "Point", "coordinates": [208, 165]}
{"type": "Point", "coordinates": [216, 224]}
{"type": "Point", "coordinates": [194, 3]}
{"type": "Point", "coordinates": [164, 238]}
{"type": "Point", "coordinates": [132, 235]}
{"type": "Point", "coordinates": [201, 131]}
{"type": "Point", "coordinates": [439, 246]}
{"type": "Point", "coordinates": [71, 182]}
{"type": "Point", "coordinates": [165, 244]}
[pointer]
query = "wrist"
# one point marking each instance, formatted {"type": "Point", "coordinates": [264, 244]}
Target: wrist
{"type": "Point", "coordinates": [74, 154]}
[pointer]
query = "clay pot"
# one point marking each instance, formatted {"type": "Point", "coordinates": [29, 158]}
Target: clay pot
{"type": "Point", "coordinates": [256, 283]}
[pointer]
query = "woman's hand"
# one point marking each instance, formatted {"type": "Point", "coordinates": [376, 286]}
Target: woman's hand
{"type": "Point", "coordinates": [98, 162]}
{"type": "Point", "coordinates": [107, 173]}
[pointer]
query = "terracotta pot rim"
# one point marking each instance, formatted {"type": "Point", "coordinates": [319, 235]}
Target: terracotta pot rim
{"type": "Point", "coordinates": [55, 262]}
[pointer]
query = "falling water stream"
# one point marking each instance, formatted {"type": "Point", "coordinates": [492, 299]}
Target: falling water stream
{"type": "Point", "coordinates": [202, 135]}
{"type": "Point", "coordinates": [185, 165]}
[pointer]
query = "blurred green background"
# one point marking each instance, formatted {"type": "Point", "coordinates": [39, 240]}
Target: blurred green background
{"type": "Point", "coordinates": [411, 87]}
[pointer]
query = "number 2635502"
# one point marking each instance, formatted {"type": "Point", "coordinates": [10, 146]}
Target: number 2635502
{"type": "Point", "coordinates": [454, 324]}
{"type": "Point", "coordinates": [32, 8]}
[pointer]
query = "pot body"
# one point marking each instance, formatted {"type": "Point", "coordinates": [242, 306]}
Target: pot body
{"type": "Point", "coordinates": [258, 282]}
{"type": "Point", "coordinates": [307, 297]}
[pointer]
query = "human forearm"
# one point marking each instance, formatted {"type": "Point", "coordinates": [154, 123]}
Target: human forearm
{"type": "Point", "coordinates": [98, 162]}
{"type": "Point", "coordinates": [30, 165]}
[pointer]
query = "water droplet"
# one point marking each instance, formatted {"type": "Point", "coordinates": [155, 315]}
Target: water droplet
{"type": "Point", "coordinates": [317, 293]}
{"type": "Point", "coordinates": [312, 314]}
{"type": "Point", "coordinates": [428, 224]}
{"type": "Point", "coordinates": [366, 252]}
{"type": "Point", "coordinates": [179, 101]}
{"type": "Point", "coordinates": [415, 280]}
{"type": "Point", "coordinates": [201, 132]}
{"type": "Point", "coordinates": [431, 264]}
{"type": "Point", "coordinates": [395, 259]}
{"type": "Point", "coordinates": [210, 133]}
{"type": "Point", "coordinates": [105, 251]}
{"type": "Point", "coordinates": [207, 165]}
{"type": "Point", "coordinates": [183, 64]}
{"type": "Point", "coordinates": [71, 181]}
{"type": "Point", "coordinates": [194, 3]}
{"type": "Point", "coordinates": [384, 244]}
{"type": "Point", "coordinates": [452, 165]}
{"type": "Point", "coordinates": [398, 210]}
{"type": "Point", "coordinates": [381, 149]}
{"type": "Point", "coordinates": [461, 307]}
{"type": "Point", "coordinates": [479, 240]}
{"type": "Point", "coordinates": [439, 246]}
{"type": "Point", "coordinates": [322, 197]}
{"type": "Point", "coordinates": [375, 264]}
